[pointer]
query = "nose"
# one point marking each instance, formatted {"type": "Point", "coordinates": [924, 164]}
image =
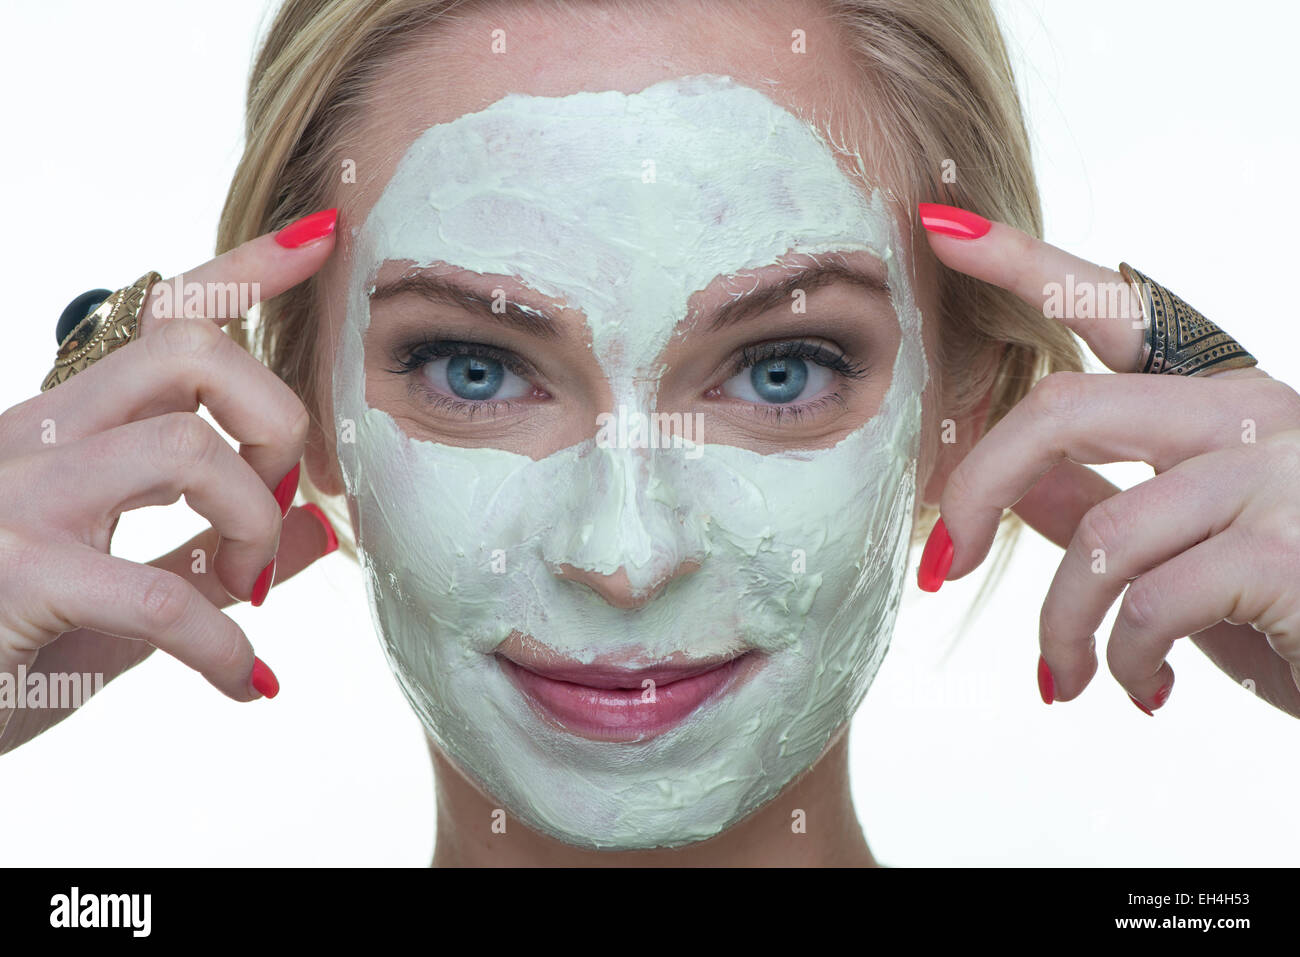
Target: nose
{"type": "Point", "coordinates": [617, 589]}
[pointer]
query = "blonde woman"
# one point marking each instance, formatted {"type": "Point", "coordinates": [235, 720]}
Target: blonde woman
{"type": "Point", "coordinates": [635, 356]}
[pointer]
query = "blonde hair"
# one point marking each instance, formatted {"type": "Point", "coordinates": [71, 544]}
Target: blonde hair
{"type": "Point", "coordinates": [937, 92]}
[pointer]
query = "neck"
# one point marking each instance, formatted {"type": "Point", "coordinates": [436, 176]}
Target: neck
{"type": "Point", "coordinates": [830, 835]}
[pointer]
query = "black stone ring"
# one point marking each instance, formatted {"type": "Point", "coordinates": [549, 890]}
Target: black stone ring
{"type": "Point", "coordinates": [77, 310]}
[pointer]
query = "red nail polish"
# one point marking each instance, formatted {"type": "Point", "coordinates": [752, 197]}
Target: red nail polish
{"type": "Point", "coordinates": [332, 540]}
{"type": "Point", "coordinates": [1163, 695]}
{"type": "Point", "coordinates": [1046, 685]}
{"type": "Point", "coordinates": [263, 584]}
{"type": "Point", "coordinates": [308, 229]}
{"type": "Point", "coordinates": [263, 679]}
{"type": "Point", "coordinates": [952, 221]}
{"type": "Point", "coordinates": [287, 489]}
{"type": "Point", "coordinates": [1144, 708]}
{"type": "Point", "coordinates": [936, 559]}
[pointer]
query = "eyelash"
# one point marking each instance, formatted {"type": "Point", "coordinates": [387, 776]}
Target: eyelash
{"type": "Point", "coordinates": [415, 356]}
{"type": "Point", "coordinates": [815, 352]}
{"type": "Point", "coordinates": [798, 349]}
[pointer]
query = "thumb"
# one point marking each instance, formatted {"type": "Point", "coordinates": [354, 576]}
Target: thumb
{"type": "Point", "coordinates": [306, 535]}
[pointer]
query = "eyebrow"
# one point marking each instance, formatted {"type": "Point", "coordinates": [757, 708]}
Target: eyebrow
{"type": "Point", "coordinates": [761, 299]}
{"type": "Point", "coordinates": [742, 306]}
{"type": "Point", "coordinates": [441, 289]}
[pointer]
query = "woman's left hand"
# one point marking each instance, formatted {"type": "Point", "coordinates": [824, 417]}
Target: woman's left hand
{"type": "Point", "coordinates": [1209, 547]}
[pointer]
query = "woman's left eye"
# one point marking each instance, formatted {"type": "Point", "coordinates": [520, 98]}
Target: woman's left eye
{"type": "Point", "coordinates": [475, 378]}
{"type": "Point", "coordinates": [787, 373]}
{"type": "Point", "coordinates": [778, 381]}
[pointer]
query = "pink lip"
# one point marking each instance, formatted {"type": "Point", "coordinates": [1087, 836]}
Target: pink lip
{"type": "Point", "coordinates": [609, 704]}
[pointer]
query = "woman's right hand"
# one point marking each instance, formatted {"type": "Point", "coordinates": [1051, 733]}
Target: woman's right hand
{"type": "Point", "coordinates": [124, 433]}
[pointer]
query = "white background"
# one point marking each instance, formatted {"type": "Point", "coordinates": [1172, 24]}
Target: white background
{"type": "Point", "coordinates": [1165, 134]}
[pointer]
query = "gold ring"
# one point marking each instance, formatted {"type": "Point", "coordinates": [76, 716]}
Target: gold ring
{"type": "Point", "coordinates": [111, 326]}
{"type": "Point", "coordinates": [1179, 339]}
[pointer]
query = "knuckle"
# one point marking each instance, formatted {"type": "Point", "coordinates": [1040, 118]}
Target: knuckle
{"type": "Point", "coordinates": [233, 654]}
{"type": "Point", "coordinates": [1023, 259]}
{"type": "Point", "coordinates": [1100, 529]}
{"type": "Point", "coordinates": [1280, 536]}
{"type": "Point", "coordinates": [165, 601]}
{"type": "Point", "coordinates": [1284, 455]}
{"type": "Point", "coordinates": [268, 523]}
{"type": "Point", "coordinates": [1058, 395]}
{"type": "Point", "coordinates": [1281, 397]}
{"type": "Point", "coordinates": [187, 339]}
{"type": "Point", "coordinates": [19, 422]}
{"type": "Point", "coordinates": [239, 263]}
{"type": "Point", "coordinates": [184, 439]}
{"type": "Point", "coordinates": [1048, 634]}
{"type": "Point", "coordinates": [957, 490]}
{"type": "Point", "coordinates": [1139, 612]}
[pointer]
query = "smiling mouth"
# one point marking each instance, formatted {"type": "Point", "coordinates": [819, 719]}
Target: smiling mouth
{"type": "Point", "coordinates": [605, 702]}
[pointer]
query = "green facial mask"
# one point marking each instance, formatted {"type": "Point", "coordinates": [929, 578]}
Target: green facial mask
{"type": "Point", "coordinates": [801, 554]}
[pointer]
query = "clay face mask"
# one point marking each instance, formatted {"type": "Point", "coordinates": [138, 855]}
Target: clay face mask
{"type": "Point", "coordinates": [801, 554]}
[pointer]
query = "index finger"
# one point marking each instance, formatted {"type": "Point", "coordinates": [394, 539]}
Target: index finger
{"type": "Point", "coordinates": [1095, 302]}
{"type": "Point", "coordinates": [227, 286]}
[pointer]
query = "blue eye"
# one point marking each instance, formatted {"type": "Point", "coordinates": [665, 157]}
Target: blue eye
{"type": "Point", "coordinates": [779, 380]}
{"type": "Point", "coordinates": [788, 374]}
{"type": "Point", "coordinates": [472, 374]}
{"type": "Point", "coordinates": [474, 377]}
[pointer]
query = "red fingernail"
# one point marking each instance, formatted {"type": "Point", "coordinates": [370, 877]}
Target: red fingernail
{"type": "Point", "coordinates": [263, 679]}
{"type": "Point", "coordinates": [287, 489]}
{"type": "Point", "coordinates": [332, 540]}
{"type": "Point", "coordinates": [1163, 695]}
{"type": "Point", "coordinates": [952, 221]}
{"type": "Point", "coordinates": [1046, 686]}
{"type": "Point", "coordinates": [263, 584]}
{"type": "Point", "coordinates": [936, 559]}
{"type": "Point", "coordinates": [308, 229]}
{"type": "Point", "coordinates": [1145, 709]}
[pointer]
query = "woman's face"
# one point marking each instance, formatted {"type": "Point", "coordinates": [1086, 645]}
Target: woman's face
{"type": "Point", "coordinates": [628, 369]}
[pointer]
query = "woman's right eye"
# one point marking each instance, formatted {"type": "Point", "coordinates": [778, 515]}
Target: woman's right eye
{"type": "Point", "coordinates": [466, 376]}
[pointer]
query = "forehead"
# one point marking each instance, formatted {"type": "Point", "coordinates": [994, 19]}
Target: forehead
{"type": "Point", "coordinates": [678, 179]}
{"type": "Point", "coordinates": [472, 59]}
